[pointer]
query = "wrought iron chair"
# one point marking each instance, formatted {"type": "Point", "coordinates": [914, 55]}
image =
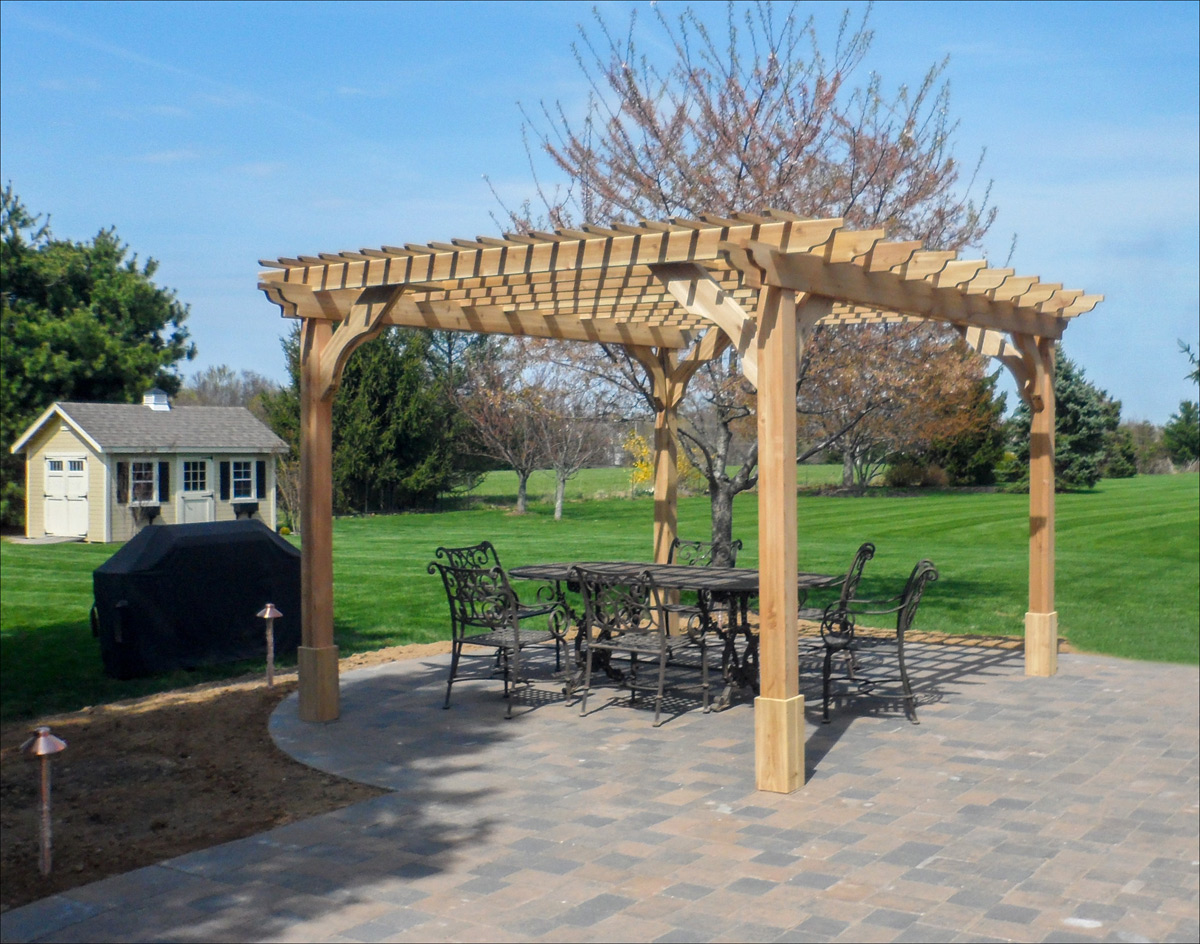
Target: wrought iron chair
{"type": "Point", "coordinates": [849, 586]}
{"type": "Point", "coordinates": [810, 644]}
{"type": "Point", "coordinates": [704, 553]}
{"type": "Point", "coordinates": [482, 555]}
{"type": "Point", "coordinates": [484, 611]}
{"type": "Point", "coordinates": [700, 554]}
{"type": "Point", "coordinates": [839, 636]}
{"type": "Point", "coordinates": [624, 616]}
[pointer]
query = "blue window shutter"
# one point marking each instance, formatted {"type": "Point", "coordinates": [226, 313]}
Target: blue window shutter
{"type": "Point", "coordinates": [224, 481]}
{"type": "Point", "coordinates": [122, 483]}
{"type": "Point", "coordinates": [164, 482]}
{"type": "Point", "coordinates": [260, 480]}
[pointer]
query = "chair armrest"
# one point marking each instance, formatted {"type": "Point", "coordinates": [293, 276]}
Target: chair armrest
{"type": "Point", "coordinates": [862, 607]}
{"type": "Point", "coordinates": [559, 617]}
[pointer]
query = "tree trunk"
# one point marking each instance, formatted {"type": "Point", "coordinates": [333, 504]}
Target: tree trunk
{"type": "Point", "coordinates": [847, 468]}
{"type": "Point", "coordinates": [721, 496]}
{"type": "Point", "coordinates": [560, 490]}
{"type": "Point", "coordinates": [522, 491]}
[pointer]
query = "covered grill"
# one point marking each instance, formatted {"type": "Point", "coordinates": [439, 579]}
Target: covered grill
{"type": "Point", "coordinates": [181, 596]}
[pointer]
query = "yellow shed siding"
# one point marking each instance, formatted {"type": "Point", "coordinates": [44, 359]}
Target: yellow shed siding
{"type": "Point", "coordinates": [59, 440]}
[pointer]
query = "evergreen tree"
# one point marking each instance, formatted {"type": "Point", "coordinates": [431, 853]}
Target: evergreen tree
{"type": "Point", "coordinates": [971, 457]}
{"type": "Point", "coordinates": [393, 430]}
{"type": "Point", "coordinates": [81, 321]}
{"type": "Point", "coordinates": [1181, 435]}
{"type": "Point", "coordinates": [1084, 416]}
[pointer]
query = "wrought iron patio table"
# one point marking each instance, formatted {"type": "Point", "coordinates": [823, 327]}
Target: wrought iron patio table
{"type": "Point", "coordinates": [722, 591]}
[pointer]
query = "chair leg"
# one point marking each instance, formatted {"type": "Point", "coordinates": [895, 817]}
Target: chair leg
{"type": "Point", "coordinates": [503, 654]}
{"type": "Point", "coordinates": [662, 674]}
{"type": "Point", "coordinates": [704, 673]}
{"type": "Point", "coordinates": [587, 681]}
{"type": "Point", "coordinates": [455, 652]}
{"type": "Point", "coordinates": [910, 702]}
{"type": "Point", "coordinates": [513, 666]}
{"type": "Point", "coordinates": [828, 670]}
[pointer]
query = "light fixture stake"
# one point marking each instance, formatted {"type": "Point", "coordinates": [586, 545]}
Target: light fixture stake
{"type": "Point", "coordinates": [270, 614]}
{"type": "Point", "coordinates": [44, 745]}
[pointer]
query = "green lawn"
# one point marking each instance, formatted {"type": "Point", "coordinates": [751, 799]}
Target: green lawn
{"type": "Point", "coordinates": [1128, 573]}
{"type": "Point", "coordinates": [500, 488]}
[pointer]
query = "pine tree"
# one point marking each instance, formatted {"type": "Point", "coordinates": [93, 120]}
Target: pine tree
{"type": "Point", "coordinates": [1084, 417]}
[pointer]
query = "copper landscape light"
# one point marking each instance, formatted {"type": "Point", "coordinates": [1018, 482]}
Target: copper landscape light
{"type": "Point", "coordinates": [45, 745]}
{"type": "Point", "coordinates": [270, 614]}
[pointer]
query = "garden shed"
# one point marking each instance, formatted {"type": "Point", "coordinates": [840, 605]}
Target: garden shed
{"type": "Point", "coordinates": [676, 294]}
{"type": "Point", "coordinates": [104, 471]}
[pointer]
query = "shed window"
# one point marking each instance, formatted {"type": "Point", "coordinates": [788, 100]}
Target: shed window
{"type": "Point", "coordinates": [75, 465]}
{"type": "Point", "coordinates": [142, 481]}
{"type": "Point", "coordinates": [243, 480]}
{"type": "Point", "coordinates": [195, 476]}
{"type": "Point", "coordinates": [55, 465]}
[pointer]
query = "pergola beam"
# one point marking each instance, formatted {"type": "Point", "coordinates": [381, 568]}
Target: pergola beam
{"type": "Point", "coordinates": [698, 293]}
{"type": "Point", "coordinates": [892, 291]}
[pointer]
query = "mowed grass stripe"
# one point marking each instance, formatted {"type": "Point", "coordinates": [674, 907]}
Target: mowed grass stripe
{"type": "Point", "coordinates": [1127, 581]}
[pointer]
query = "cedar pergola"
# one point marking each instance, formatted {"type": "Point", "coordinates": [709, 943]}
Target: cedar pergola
{"type": "Point", "coordinates": [677, 294]}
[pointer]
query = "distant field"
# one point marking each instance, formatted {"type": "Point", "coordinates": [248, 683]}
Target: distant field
{"type": "Point", "coordinates": [1128, 573]}
{"type": "Point", "coordinates": [500, 488]}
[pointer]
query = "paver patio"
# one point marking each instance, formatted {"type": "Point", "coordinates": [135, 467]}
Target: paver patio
{"type": "Point", "coordinates": [1024, 809]}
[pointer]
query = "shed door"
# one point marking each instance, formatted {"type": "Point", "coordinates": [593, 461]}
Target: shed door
{"type": "Point", "coordinates": [66, 497]}
{"type": "Point", "coordinates": [196, 495]}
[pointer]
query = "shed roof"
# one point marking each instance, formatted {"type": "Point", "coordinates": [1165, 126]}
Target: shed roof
{"type": "Point", "coordinates": [125, 427]}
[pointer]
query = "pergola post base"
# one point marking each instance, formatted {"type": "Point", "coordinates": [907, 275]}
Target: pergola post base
{"type": "Point", "coordinates": [318, 683]}
{"type": "Point", "coordinates": [1041, 643]}
{"type": "Point", "coordinates": [779, 743]}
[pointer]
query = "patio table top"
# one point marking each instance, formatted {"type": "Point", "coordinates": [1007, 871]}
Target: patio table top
{"type": "Point", "coordinates": [672, 576]}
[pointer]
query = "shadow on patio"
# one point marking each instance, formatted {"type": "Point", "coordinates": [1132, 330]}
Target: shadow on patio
{"type": "Point", "coordinates": [1026, 809]}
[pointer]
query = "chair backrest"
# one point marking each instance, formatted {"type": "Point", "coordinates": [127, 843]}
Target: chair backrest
{"type": "Point", "coordinates": [854, 574]}
{"type": "Point", "coordinates": [840, 617]}
{"type": "Point", "coordinates": [704, 553]}
{"type": "Point", "coordinates": [923, 574]}
{"type": "Point", "coordinates": [618, 606]}
{"type": "Point", "coordinates": [482, 555]}
{"type": "Point", "coordinates": [480, 598]}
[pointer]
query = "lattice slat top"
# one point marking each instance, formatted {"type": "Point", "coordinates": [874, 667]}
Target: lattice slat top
{"type": "Point", "coordinates": [613, 283]}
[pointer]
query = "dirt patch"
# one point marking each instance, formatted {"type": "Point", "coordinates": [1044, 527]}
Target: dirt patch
{"type": "Point", "coordinates": [155, 777]}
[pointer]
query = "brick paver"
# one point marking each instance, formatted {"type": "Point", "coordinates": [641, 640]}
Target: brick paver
{"type": "Point", "coordinates": [1060, 809]}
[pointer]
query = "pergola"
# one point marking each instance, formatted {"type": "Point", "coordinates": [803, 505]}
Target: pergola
{"type": "Point", "coordinates": [677, 294]}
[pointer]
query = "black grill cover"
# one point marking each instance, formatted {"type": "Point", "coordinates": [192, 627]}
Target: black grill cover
{"type": "Point", "coordinates": [179, 596]}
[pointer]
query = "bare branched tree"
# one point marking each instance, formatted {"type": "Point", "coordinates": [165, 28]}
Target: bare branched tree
{"type": "Point", "coordinates": [759, 117]}
{"type": "Point", "coordinates": [504, 412]}
{"type": "Point", "coordinates": [570, 427]}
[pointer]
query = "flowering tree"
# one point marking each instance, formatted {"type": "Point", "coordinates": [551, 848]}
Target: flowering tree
{"type": "Point", "coordinates": [763, 116]}
{"type": "Point", "coordinates": [889, 403]}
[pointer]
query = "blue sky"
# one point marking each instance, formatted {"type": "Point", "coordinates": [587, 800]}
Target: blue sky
{"type": "Point", "coordinates": [214, 135]}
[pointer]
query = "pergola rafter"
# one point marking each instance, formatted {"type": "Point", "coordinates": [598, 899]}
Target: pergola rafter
{"type": "Point", "coordinates": [676, 294]}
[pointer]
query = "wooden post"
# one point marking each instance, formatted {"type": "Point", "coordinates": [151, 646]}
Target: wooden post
{"type": "Point", "coordinates": [317, 656]}
{"type": "Point", "coordinates": [666, 480]}
{"type": "Point", "coordinates": [779, 709]}
{"type": "Point", "coordinates": [1041, 621]}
